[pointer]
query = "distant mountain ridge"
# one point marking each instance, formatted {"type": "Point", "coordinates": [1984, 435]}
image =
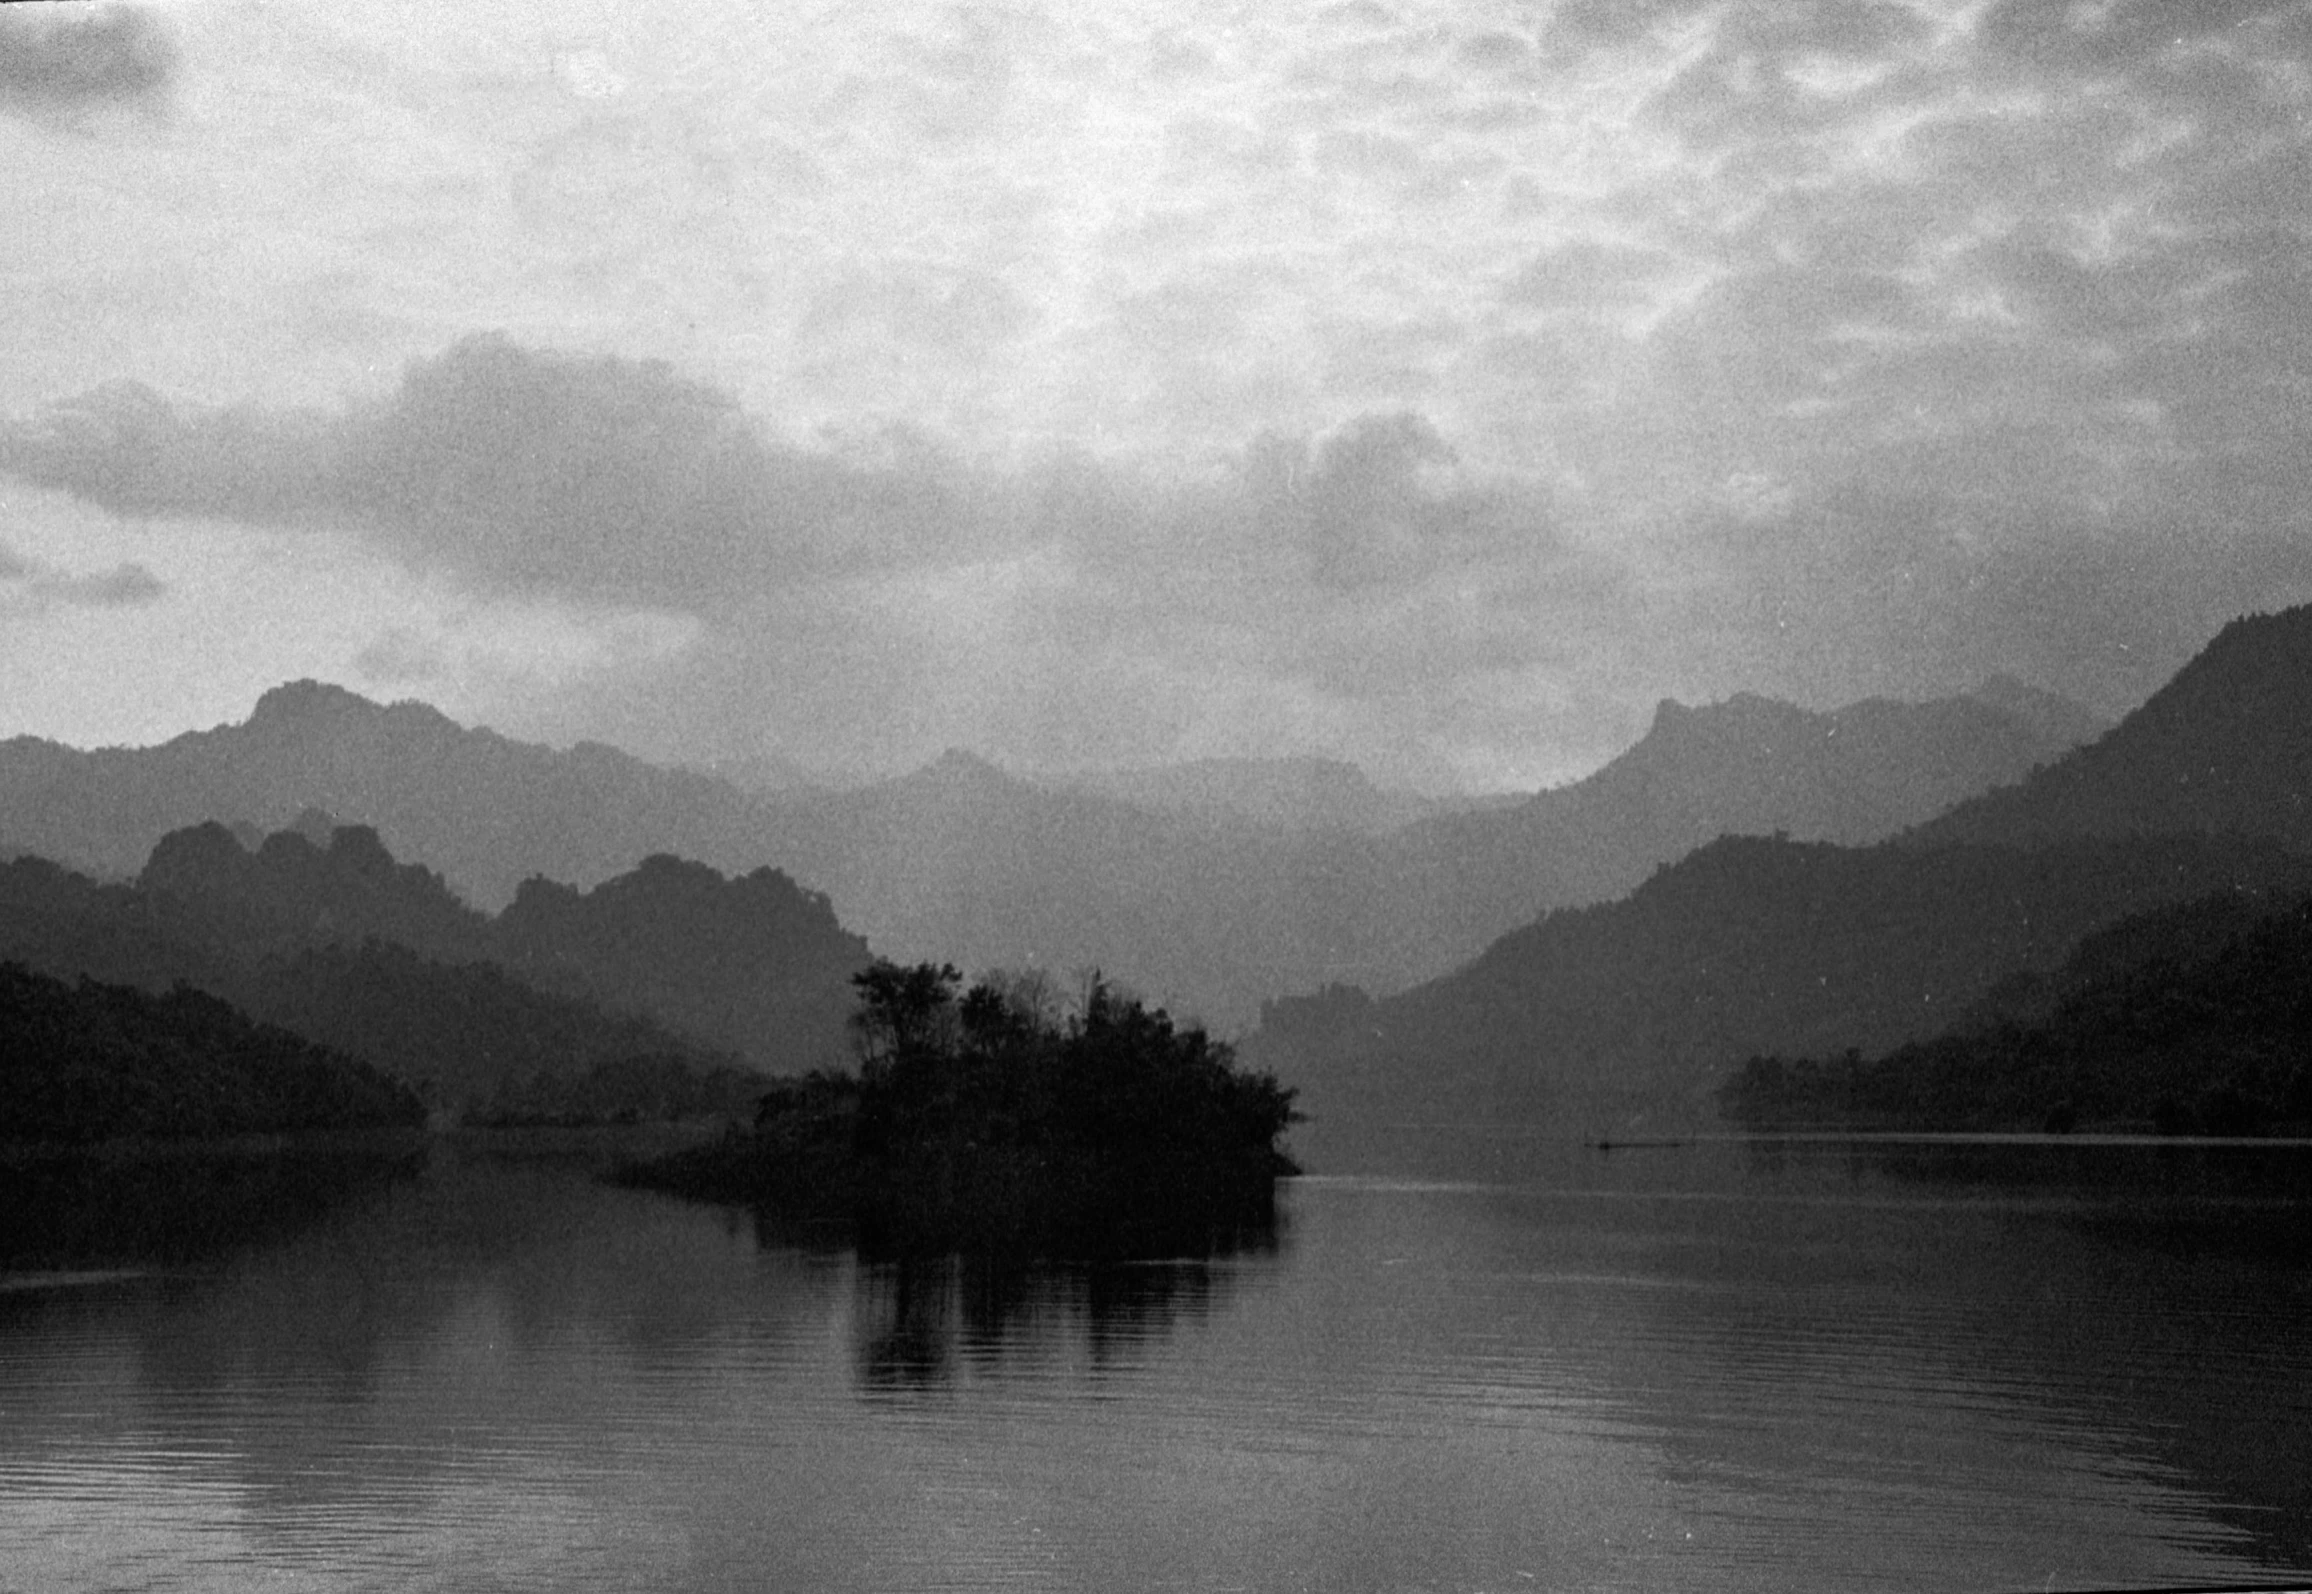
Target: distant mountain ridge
{"type": "Point", "coordinates": [287, 892]}
{"type": "Point", "coordinates": [1630, 1010]}
{"type": "Point", "coordinates": [1191, 895]}
{"type": "Point", "coordinates": [2225, 746]}
{"type": "Point", "coordinates": [755, 966]}
{"type": "Point", "coordinates": [1628, 1013]}
{"type": "Point", "coordinates": [463, 1033]}
{"type": "Point", "coordinates": [651, 987]}
{"type": "Point", "coordinates": [486, 811]}
{"type": "Point", "coordinates": [2058, 719]}
{"type": "Point", "coordinates": [1747, 766]}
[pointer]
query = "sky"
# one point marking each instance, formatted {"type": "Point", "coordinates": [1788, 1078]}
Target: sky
{"type": "Point", "coordinates": [1432, 385]}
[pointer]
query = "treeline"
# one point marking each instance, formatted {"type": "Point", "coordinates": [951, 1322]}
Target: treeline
{"type": "Point", "coordinates": [988, 1119]}
{"type": "Point", "coordinates": [86, 1061]}
{"type": "Point", "coordinates": [2192, 1020]}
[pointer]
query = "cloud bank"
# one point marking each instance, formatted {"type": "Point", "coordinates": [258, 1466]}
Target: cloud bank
{"type": "Point", "coordinates": [34, 584]}
{"type": "Point", "coordinates": [62, 59]}
{"type": "Point", "coordinates": [1437, 384]}
{"type": "Point", "coordinates": [880, 591]}
{"type": "Point", "coordinates": [872, 598]}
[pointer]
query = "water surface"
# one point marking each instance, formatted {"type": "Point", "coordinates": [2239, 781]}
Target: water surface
{"type": "Point", "coordinates": [1722, 1366]}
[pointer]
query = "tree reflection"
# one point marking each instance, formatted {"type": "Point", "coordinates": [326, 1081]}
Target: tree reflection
{"type": "Point", "coordinates": [170, 1205]}
{"type": "Point", "coordinates": [922, 1321]}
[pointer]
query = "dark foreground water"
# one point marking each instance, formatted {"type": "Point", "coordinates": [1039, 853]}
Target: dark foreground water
{"type": "Point", "coordinates": [1716, 1367]}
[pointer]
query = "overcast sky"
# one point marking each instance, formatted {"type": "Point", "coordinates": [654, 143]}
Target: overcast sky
{"type": "Point", "coordinates": [1433, 385]}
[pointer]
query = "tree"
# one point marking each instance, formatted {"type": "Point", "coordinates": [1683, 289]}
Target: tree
{"type": "Point", "coordinates": [905, 1014]}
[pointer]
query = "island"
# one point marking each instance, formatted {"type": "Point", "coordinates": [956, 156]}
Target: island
{"type": "Point", "coordinates": [991, 1119]}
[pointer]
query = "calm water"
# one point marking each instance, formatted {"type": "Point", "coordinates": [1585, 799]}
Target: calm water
{"type": "Point", "coordinates": [1711, 1367]}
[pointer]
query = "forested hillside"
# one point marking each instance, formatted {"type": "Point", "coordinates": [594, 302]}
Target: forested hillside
{"type": "Point", "coordinates": [83, 1061]}
{"type": "Point", "coordinates": [2192, 1019]}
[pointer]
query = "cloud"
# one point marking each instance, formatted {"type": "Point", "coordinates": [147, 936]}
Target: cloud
{"type": "Point", "coordinates": [522, 470]}
{"type": "Point", "coordinates": [65, 59]}
{"type": "Point", "coordinates": [875, 587]}
{"type": "Point", "coordinates": [1401, 380]}
{"type": "Point", "coordinates": [2104, 34]}
{"type": "Point", "coordinates": [609, 480]}
{"type": "Point", "coordinates": [870, 596]}
{"type": "Point", "coordinates": [126, 586]}
{"type": "Point", "coordinates": [1900, 587]}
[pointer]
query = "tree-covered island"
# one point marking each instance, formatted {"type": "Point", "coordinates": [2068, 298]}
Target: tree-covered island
{"type": "Point", "coordinates": [987, 1118]}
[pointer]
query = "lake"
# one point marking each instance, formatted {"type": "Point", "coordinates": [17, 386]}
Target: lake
{"type": "Point", "coordinates": [1785, 1365]}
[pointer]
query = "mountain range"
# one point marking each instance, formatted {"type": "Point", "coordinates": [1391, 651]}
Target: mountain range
{"type": "Point", "coordinates": [1630, 1012]}
{"type": "Point", "coordinates": [1749, 879]}
{"type": "Point", "coordinates": [2225, 746]}
{"type": "Point", "coordinates": [1209, 887]}
{"type": "Point", "coordinates": [663, 979]}
{"type": "Point", "coordinates": [2195, 1017]}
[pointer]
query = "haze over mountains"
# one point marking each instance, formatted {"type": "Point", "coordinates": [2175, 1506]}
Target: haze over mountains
{"type": "Point", "coordinates": [1210, 887]}
{"type": "Point", "coordinates": [664, 981]}
{"type": "Point", "coordinates": [1631, 1011]}
{"type": "Point", "coordinates": [1288, 795]}
{"type": "Point", "coordinates": [2223, 747]}
{"type": "Point", "coordinates": [1750, 878]}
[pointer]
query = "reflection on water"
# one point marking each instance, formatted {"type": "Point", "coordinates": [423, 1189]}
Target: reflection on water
{"type": "Point", "coordinates": [166, 1204]}
{"type": "Point", "coordinates": [2182, 1196]}
{"type": "Point", "coordinates": [924, 1320]}
{"type": "Point", "coordinates": [2172, 1312]}
{"type": "Point", "coordinates": [1748, 1367]}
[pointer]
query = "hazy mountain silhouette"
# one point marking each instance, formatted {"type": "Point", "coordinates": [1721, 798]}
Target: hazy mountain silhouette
{"type": "Point", "coordinates": [1629, 1012]}
{"type": "Point", "coordinates": [961, 861]}
{"type": "Point", "coordinates": [466, 1033]}
{"type": "Point", "coordinates": [754, 964]}
{"type": "Point", "coordinates": [478, 1040]}
{"type": "Point", "coordinates": [486, 811]}
{"type": "Point", "coordinates": [2063, 723]}
{"type": "Point", "coordinates": [59, 922]}
{"type": "Point", "coordinates": [1212, 913]}
{"type": "Point", "coordinates": [1190, 893]}
{"type": "Point", "coordinates": [1750, 765]}
{"type": "Point", "coordinates": [670, 966]}
{"type": "Point", "coordinates": [2224, 746]}
{"type": "Point", "coordinates": [1633, 1008]}
{"type": "Point", "coordinates": [289, 892]}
